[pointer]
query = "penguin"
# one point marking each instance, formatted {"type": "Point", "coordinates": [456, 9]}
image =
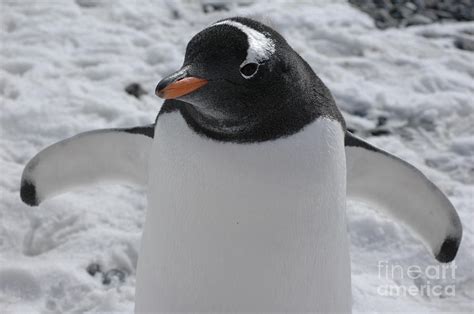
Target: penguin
{"type": "Point", "coordinates": [248, 166]}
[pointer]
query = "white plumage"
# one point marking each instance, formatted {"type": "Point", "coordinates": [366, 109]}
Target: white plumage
{"type": "Point", "coordinates": [245, 227]}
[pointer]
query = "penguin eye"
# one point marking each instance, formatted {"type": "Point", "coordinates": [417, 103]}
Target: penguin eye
{"type": "Point", "coordinates": [249, 70]}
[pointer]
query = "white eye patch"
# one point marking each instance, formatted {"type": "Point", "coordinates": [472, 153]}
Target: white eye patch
{"type": "Point", "coordinates": [260, 46]}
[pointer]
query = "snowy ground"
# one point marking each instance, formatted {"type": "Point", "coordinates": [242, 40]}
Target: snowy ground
{"type": "Point", "coordinates": [63, 69]}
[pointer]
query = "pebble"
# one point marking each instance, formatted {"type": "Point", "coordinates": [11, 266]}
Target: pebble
{"type": "Point", "coordinates": [380, 132]}
{"type": "Point", "coordinates": [381, 121]}
{"type": "Point", "coordinates": [135, 89]}
{"type": "Point", "coordinates": [214, 7]}
{"type": "Point", "coordinates": [418, 19]}
{"type": "Point", "coordinates": [464, 43]}
{"type": "Point", "coordinates": [113, 275]}
{"type": "Point", "coordinates": [93, 269]}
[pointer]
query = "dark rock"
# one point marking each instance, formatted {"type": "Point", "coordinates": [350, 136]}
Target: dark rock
{"type": "Point", "coordinates": [87, 3]}
{"type": "Point", "coordinates": [433, 34]}
{"type": "Point", "coordinates": [382, 25]}
{"type": "Point", "coordinates": [135, 89]}
{"type": "Point", "coordinates": [360, 113]}
{"type": "Point", "coordinates": [405, 12]}
{"type": "Point", "coordinates": [468, 31]}
{"type": "Point", "coordinates": [395, 13]}
{"type": "Point", "coordinates": [466, 13]}
{"type": "Point", "coordinates": [444, 14]}
{"type": "Point", "coordinates": [420, 4]}
{"type": "Point", "coordinates": [415, 12]}
{"type": "Point", "coordinates": [431, 3]}
{"type": "Point", "coordinates": [176, 14]}
{"type": "Point", "coordinates": [213, 7]}
{"type": "Point", "coordinates": [384, 20]}
{"type": "Point", "coordinates": [245, 3]}
{"type": "Point", "coordinates": [418, 19]}
{"type": "Point", "coordinates": [430, 14]}
{"type": "Point", "coordinates": [380, 132]}
{"type": "Point", "coordinates": [382, 15]}
{"type": "Point", "coordinates": [93, 269]}
{"type": "Point", "coordinates": [383, 4]}
{"type": "Point", "coordinates": [464, 43]}
{"type": "Point", "coordinates": [411, 6]}
{"type": "Point", "coordinates": [381, 121]}
{"type": "Point", "coordinates": [113, 275]}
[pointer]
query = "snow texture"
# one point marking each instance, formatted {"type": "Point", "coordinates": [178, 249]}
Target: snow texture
{"type": "Point", "coordinates": [65, 64]}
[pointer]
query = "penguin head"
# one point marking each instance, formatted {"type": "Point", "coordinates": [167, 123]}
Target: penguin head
{"type": "Point", "coordinates": [233, 68]}
{"type": "Point", "coordinates": [242, 82]}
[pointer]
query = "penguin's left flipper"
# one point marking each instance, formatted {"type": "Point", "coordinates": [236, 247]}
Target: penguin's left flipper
{"type": "Point", "coordinates": [404, 193]}
{"type": "Point", "coordinates": [109, 155]}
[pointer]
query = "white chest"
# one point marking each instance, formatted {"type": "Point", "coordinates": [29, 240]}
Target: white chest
{"type": "Point", "coordinates": [245, 227]}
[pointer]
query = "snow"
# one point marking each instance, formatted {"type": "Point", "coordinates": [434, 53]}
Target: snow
{"type": "Point", "coordinates": [64, 66]}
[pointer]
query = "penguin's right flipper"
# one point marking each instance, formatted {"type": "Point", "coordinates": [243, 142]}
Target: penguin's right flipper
{"type": "Point", "coordinates": [404, 193]}
{"type": "Point", "coordinates": [109, 155]}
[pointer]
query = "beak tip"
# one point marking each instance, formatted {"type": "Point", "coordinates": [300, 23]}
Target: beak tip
{"type": "Point", "coordinates": [171, 89]}
{"type": "Point", "coordinates": [158, 93]}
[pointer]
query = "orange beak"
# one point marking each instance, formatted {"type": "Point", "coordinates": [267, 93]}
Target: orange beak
{"type": "Point", "coordinates": [180, 87]}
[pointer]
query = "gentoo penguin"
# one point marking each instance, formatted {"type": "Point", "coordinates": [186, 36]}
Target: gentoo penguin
{"type": "Point", "coordinates": [248, 167]}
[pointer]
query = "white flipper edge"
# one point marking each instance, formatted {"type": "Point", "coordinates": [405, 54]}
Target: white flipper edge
{"type": "Point", "coordinates": [404, 193]}
{"type": "Point", "coordinates": [109, 155]}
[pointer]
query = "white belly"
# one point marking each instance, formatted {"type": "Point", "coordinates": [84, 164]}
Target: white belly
{"type": "Point", "coordinates": [245, 227]}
